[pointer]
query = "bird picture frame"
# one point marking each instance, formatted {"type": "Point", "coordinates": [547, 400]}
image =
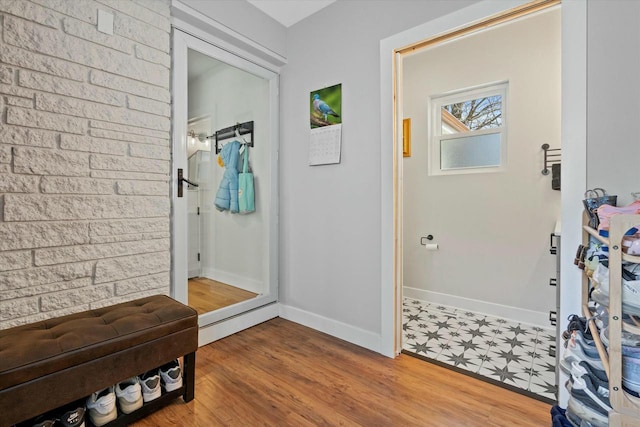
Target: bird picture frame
{"type": "Point", "coordinates": [325, 106]}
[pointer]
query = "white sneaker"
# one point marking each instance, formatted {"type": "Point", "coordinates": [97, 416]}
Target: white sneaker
{"type": "Point", "coordinates": [578, 370]}
{"type": "Point", "coordinates": [129, 394]}
{"type": "Point", "coordinates": [171, 375]}
{"type": "Point", "coordinates": [630, 290]}
{"type": "Point", "coordinates": [102, 407]}
{"type": "Point", "coordinates": [575, 353]}
{"type": "Point", "coordinates": [586, 413]}
{"type": "Point", "coordinates": [630, 358]}
{"type": "Point", "coordinates": [150, 384]}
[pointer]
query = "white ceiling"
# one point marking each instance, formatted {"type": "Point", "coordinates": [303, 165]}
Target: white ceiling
{"type": "Point", "coordinates": [288, 12]}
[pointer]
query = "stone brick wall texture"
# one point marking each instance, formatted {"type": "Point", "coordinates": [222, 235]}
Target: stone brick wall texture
{"type": "Point", "coordinates": [84, 156]}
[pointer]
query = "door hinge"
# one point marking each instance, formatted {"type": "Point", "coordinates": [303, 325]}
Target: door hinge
{"type": "Point", "coordinates": [198, 210]}
{"type": "Point", "coordinates": [198, 256]}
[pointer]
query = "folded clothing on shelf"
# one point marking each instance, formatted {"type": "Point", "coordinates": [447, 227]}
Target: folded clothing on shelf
{"type": "Point", "coordinates": [605, 212]}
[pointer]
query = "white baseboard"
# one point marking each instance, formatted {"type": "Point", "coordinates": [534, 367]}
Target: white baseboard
{"type": "Point", "coordinates": [215, 331]}
{"type": "Point", "coordinates": [535, 318]}
{"type": "Point", "coordinates": [248, 284]}
{"type": "Point", "coordinates": [352, 334]}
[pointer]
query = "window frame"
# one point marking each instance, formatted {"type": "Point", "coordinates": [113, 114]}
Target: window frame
{"type": "Point", "coordinates": [436, 137]}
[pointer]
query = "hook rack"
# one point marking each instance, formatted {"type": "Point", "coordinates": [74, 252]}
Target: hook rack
{"type": "Point", "coordinates": [245, 128]}
{"type": "Point", "coordinates": [550, 158]}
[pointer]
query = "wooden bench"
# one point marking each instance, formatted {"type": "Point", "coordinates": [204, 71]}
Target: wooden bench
{"type": "Point", "coordinates": [47, 364]}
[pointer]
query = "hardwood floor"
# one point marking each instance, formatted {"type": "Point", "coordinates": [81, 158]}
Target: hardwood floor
{"type": "Point", "coordinates": [206, 295]}
{"type": "Point", "coordinates": [280, 373]}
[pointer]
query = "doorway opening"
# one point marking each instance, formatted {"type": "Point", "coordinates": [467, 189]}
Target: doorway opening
{"type": "Point", "coordinates": [473, 252]}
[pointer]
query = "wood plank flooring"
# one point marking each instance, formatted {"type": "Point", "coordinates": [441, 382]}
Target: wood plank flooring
{"type": "Point", "coordinates": [207, 295]}
{"type": "Point", "coordinates": [280, 373]}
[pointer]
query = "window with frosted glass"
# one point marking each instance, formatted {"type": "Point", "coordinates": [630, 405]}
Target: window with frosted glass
{"type": "Point", "coordinates": [468, 131]}
{"type": "Point", "coordinates": [478, 151]}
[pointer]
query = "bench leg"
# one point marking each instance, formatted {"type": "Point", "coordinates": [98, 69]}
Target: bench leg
{"type": "Point", "coordinates": [189, 377]}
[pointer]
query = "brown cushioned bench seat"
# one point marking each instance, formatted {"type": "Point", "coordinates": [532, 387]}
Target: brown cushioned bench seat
{"type": "Point", "coordinates": [47, 364]}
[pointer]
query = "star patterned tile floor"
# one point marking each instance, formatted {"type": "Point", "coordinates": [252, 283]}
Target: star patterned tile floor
{"type": "Point", "coordinates": [511, 353]}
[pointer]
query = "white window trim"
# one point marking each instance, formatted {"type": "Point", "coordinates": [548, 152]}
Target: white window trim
{"type": "Point", "coordinates": [435, 127]}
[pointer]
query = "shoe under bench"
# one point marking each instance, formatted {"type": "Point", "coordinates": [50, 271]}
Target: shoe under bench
{"type": "Point", "coordinates": [47, 364]}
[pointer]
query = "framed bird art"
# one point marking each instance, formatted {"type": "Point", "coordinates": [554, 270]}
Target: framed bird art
{"type": "Point", "coordinates": [326, 106]}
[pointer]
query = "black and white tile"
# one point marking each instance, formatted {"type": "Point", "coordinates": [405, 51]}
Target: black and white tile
{"type": "Point", "coordinates": [502, 350]}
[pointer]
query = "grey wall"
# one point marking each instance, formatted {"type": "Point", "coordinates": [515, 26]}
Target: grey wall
{"type": "Point", "coordinates": [330, 215]}
{"type": "Point", "coordinates": [613, 146]}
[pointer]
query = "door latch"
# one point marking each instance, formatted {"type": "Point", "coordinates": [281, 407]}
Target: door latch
{"type": "Point", "coordinates": [182, 179]}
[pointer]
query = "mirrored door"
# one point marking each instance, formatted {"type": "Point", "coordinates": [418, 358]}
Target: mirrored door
{"type": "Point", "coordinates": [225, 109]}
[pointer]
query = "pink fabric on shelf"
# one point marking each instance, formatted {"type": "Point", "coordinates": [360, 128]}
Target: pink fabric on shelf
{"type": "Point", "coordinates": [605, 212]}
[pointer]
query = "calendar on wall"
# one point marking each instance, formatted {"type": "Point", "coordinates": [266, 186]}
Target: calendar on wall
{"type": "Point", "coordinates": [325, 119]}
{"type": "Point", "coordinates": [324, 145]}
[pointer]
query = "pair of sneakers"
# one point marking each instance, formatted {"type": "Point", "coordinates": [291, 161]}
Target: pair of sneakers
{"type": "Point", "coordinates": [102, 404]}
{"type": "Point", "coordinates": [168, 376]}
{"type": "Point", "coordinates": [71, 415]}
{"type": "Point", "coordinates": [630, 359]}
{"type": "Point", "coordinates": [630, 287]}
{"type": "Point", "coordinates": [576, 323]}
{"type": "Point", "coordinates": [580, 348]}
{"type": "Point", "coordinates": [589, 395]}
{"type": "Point", "coordinates": [130, 395]}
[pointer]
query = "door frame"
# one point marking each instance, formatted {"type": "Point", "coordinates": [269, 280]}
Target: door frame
{"type": "Point", "coordinates": [574, 72]}
{"type": "Point", "coordinates": [227, 320]}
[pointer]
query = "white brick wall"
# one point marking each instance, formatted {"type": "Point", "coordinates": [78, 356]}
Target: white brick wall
{"type": "Point", "coordinates": [84, 156]}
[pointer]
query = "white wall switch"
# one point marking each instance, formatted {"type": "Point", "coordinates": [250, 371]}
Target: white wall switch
{"type": "Point", "coordinates": [105, 22]}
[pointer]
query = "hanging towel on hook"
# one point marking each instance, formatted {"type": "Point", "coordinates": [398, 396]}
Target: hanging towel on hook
{"type": "Point", "coordinates": [227, 195]}
{"type": "Point", "coordinates": [555, 176]}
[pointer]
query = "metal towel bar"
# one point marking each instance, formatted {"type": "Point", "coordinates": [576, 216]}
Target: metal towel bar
{"type": "Point", "coordinates": [550, 158]}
